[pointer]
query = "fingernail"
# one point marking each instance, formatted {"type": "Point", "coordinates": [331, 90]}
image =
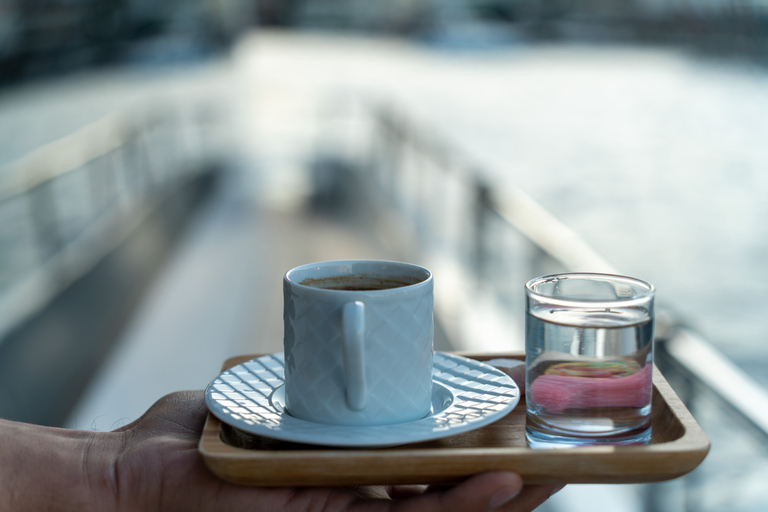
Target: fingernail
{"type": "Point", "coordinates": [502, 496]}
{"type": "Point", "coordinates": [556, 490]}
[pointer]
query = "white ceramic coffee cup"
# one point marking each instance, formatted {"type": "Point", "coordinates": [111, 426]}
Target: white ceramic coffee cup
{"type": "Point", "coordinates": [358, 357]}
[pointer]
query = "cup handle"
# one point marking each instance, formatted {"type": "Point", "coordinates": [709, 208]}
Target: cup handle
{"type": "Point", "coordinates": [353, 329]}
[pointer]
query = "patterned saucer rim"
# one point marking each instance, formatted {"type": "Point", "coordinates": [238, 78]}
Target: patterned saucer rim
{"type": "Point", "coordinates": [468, 394]}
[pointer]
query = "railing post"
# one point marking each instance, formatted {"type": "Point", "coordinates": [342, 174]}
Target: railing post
{"type": "Point", "coordinates": [394, 147]}
{"type": "Point", "coordinates": [43, 210]}
{"type": "Point", "coordinates": [482, 205]}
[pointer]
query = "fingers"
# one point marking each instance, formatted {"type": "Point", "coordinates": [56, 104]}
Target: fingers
{"type": "Point", "coordinates": [498, 491]}
{"type": "Point", "coordinates": [478, 493]}
{"type": "Point", "coordinates": [529, 498]}
{"type": "Point", "coordinates": [401, 492]}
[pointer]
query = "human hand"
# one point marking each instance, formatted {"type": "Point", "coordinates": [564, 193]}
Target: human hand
{"type": "Point", "coordinates": [157, 467]}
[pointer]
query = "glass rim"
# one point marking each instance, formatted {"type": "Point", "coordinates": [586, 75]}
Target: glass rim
{"type": "Point", "coordinates": [636, 298]}
{"type": "Point", "coordinates": [290, 276]}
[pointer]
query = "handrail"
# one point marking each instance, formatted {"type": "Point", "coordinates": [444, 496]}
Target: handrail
{"type": "Point", "coordinates": [65, 155]}
{"type": "Point", "coordinates": [720, 375]}
{"type": "Point", "coordinates": [547, 232]}
{"type": "Point", "coordinates": [62, 259]}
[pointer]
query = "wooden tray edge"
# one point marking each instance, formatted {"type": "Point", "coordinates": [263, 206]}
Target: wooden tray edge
{"type": "Point", "coordinates": [672, 459]}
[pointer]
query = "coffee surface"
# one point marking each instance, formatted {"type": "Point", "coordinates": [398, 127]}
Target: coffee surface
{"type": "Point", "coordinates": [359, 282]}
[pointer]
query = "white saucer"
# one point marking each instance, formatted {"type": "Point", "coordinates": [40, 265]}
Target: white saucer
{"type": "Point", "coordinates": [467, 394]}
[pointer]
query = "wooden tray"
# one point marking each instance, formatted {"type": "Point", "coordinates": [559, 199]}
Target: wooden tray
{"type": "Point", "coordinates": [678, 445]}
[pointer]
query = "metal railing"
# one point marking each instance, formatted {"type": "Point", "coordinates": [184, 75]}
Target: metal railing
{"type": "Point", "coordinates": [67, 204]}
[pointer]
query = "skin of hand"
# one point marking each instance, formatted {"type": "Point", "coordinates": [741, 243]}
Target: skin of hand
{"type": "Point", "coordinates": [153, 464]}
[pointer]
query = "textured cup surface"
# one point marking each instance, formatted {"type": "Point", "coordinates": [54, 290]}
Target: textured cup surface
{"type": "Point", "coordinates": [397, 344]}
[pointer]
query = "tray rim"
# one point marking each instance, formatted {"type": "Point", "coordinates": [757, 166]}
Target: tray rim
{"type": "Point", "coordinates": [669, 459]}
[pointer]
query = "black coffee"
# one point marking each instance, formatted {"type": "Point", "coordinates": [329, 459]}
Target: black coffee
{"type": "Point", "coordinates": [359, 282]}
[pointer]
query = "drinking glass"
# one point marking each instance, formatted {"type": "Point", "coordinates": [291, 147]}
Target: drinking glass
{"type": "Point", "coordinates": [589, 360]}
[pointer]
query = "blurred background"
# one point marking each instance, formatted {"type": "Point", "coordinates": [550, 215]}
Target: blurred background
{"type": "Point", "coordinates": [162, 165]}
